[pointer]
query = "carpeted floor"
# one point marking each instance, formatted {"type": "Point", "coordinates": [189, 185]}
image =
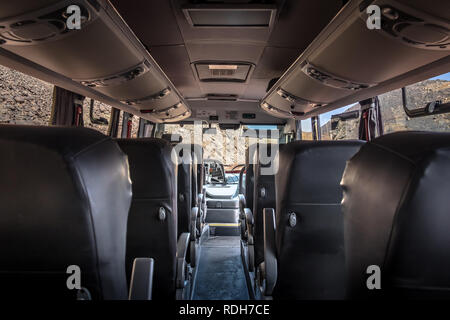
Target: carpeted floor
{"type": "Point", "coordinates": [221, 274]}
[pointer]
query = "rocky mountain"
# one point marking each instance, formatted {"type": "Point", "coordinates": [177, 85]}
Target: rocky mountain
{"type": "Point", "coordinates": [394, 117]}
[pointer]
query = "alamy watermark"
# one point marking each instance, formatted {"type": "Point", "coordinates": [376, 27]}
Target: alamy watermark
{"type": "Point", "coordinates": [73, 17]}
{"type": "Point", "coordinates": [373, 281]}
{"type": "Point", "coordinates": [74, 279]}
{"type": "Point", "coordinates": [374, 17]}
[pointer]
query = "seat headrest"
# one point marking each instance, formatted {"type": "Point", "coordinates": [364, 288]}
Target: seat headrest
{"type": "Point", "coordinates": [151, 166]}
{"type": "Point", "coordinates": [396, 215]}
{"type": "Point", "coordinates": [197, 150]}
{"type": "Point", "coordinates": [173, 139]}
{"type": "Point", "coordinates": [65, 195]}
{"type": "Point", "coordinates": [311, 170]}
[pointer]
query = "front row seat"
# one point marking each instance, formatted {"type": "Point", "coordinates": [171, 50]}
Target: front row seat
{"type": "Point", "coordinates": [304, 240]}
{"type": "Point", "coordinates": [152, 221]}
{"type": "Point", "coordinates": [396, 216]}
{"type": "Point", "coordinates": [65, 195]}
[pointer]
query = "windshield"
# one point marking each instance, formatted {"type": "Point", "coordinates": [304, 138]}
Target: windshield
{"type": "Point", "coordinates": [227, 146]}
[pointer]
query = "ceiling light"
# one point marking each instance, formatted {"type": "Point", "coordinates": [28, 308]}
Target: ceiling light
{"type": "Point", "coordinates": [222, 67]}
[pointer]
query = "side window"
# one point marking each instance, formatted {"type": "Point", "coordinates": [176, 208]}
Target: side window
{"type": "Point", "coordinates": [101, 110]}
{"type": "Point", "coordinates": [23, 99]}
{"type": "Point", "coordinates": [26, 100]}
{"type": "Point", "coordinates": [306, 129]}
{"type": "Point", "coordinates": [134, 127]}
{"type": "Point", "coordinates": [340, 124]}
{"type": "Point", "coordinates": [418, 96]}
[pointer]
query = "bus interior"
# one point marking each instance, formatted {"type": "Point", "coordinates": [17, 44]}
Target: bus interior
{"type": "Point", "coordinates": [250, 150]}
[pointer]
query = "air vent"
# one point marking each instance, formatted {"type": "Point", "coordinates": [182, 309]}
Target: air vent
{"type": "Point", "coordinates": [414, 31]}
{"type": "Point", "coordinates": [277, 111]}
{"type": "Point", "coordinates": [296, 100]}
{"type": "Point", "coordinates": [163, 111]}
{"type": "Point", "coordinates": [40, 26]}
{"type": "Point", "coordinates": [230, 15]}
{"type": "Point", "coordinates": [330, 80]}
{"type": "Point", "coordinates": [117, 79]}
{"type": "Point", "coordinates": [158, 96]}
{"type": "Point", "coordinates": [234, 72]}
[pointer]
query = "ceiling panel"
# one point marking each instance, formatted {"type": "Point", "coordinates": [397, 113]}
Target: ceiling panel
{"type": "Point", "coordinates": [274, 62]}
{"type": "Point", "coordinates": [220, 51]}
{"type": "Point", "coordinates": [153, 21]}
{"type": "Point", "coordinates": [174, 60]}
{"type": "Point", "coordinates": [300, 21]}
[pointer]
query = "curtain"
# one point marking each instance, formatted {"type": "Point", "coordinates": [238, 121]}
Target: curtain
{"type": "Point", "coordinates": [370, 124]}
{"type": "Point", "coordinates": [67, 108]}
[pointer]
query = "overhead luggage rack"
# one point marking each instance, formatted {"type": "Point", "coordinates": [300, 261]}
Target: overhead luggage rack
{"type": "Point", "coordinates": [350, 60]}
{"type": "Point", "coordinates": [104, 56]}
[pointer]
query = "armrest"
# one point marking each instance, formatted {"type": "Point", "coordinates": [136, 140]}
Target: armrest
{"type": "Point", "coordinates": [182, 247]}
{"type": "Point", "coordinates": [194, 215]}
{"type": "Point", "coordinates": [200, 199]}
{"type": "Point", "coordinates": [141, 284]}
{"type": "Point", "coordinates": [248, 216]}
{"type": "Point", "coordinates": [270, 256]}
{"type": "Point", "coordinates": [242, 203]}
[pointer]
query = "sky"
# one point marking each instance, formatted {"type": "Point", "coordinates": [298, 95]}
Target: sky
{"type": "Point", "coordinates": [325, 117]}
{"type": "Point", "coordinates": [445, 76]}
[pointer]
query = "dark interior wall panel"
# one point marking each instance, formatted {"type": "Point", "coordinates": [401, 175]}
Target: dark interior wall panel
{"type": "Point", "coordinates": [174, 60]}
{"type": "Point", "coordinates": [300, 21]}
{"type": "Point", "coordinates": [438, 8]}
{"type": "Point", "coordinates": [11, 8]}
{"type": "Point", "coordinates": [274, 61]}
{"type": "Point", "coordinates": [220, 88]}
{"type": "Point", "coordinates": [153, 21]}
{"type": "Point", "coordinates": [220, 51]}
{"type": "Point", "coordinates": [255, 89]}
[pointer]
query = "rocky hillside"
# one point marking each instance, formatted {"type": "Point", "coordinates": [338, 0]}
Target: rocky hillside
{"type": "Point", "coordinates": [393, 116]}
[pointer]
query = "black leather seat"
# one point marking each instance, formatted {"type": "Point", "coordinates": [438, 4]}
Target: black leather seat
{"type": "Point", "coordinates": [185, 191]}
{"type": "Point", "coordinates": [263, 195]}
{"type": "Point", "coordinates": [396, 214]}
{"type": "Point", "coordinates": [198, 177]}
{"type": "Point", "coordinates": [309, 223]}
{"type": "Point", "coordinates": [152, 222]}
{"type": "Point", "coordinates": [65, 195]}
{"type": "Point", "coordinates": [249, 184]}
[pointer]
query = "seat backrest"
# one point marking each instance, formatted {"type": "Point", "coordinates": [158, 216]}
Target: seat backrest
{"type": "Point", "coordinates": [185, 188]}
{"type": "Point", "coordinates": [198, 151]}
{"type": "Point", "coordinates": [309, 234]}
{"type": "Point", "coordinates": [65, 195]}
{"type": "Point", "coordinates": [195, 178]}
{"type": "Point", "coordinates": [152, 222]}
{"type": "Point", "coordinates": [263, 194]}
{"type": "Point", "coordinates": [396, 216]}
{"type": "Point", "coordinates": [250, 176]}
